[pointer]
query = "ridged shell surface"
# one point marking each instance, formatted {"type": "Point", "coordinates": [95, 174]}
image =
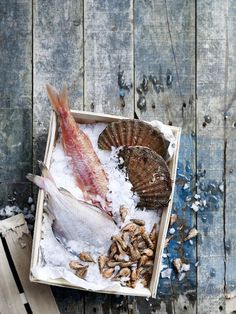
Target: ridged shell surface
{"type": "Point", "coordinates": [133, 133]}
{"type": "Point", "coordinates": [149, 175]}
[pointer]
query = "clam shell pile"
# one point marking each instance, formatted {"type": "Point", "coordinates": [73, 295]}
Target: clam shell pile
{"type": "Point", "coordinates": [131, 255]}
{"type": "Point", "coordinates": [144, 150]}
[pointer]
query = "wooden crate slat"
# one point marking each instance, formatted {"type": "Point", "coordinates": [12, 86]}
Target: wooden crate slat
{"type": "Point", "coordinates": [10, 300]}
{"type": "Point", "coordinates": [108, 34]}
{"type": "Point", "coordinates": [165, 218]}
{"type": "Point", "coordinates": [18, 239]}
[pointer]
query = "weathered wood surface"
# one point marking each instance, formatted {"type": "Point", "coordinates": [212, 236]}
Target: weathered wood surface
{"type": "Point", "coordinates": [108, 57]}
{"type": "Point", "coordinates": [212, 75]}
{"type": "Point", "coordinates": [15, 98]}
{"type": "Point", "coordinates": [10, 300]}
{"type": "Point", "coordinates": [230, 160]}
{"type": "Point", "coordinates": [58, 60]}
{"type": "Point", "coordinates": [83, 43]}
{"type": "Point", "coordinates": [19, 243]}
{"type": "Point", "coordinates": [165, 50]}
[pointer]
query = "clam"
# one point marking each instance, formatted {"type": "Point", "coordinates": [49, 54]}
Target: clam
{"type": "Point", "coordinates": [82, 272]}
{"type": "Point", "coordinates": [178, 264]}
{"type": "Point", "coordinates": [173, 219]}
{"type": "Point", "coordinates": [139, 222]}
{"type": "Point", "coordinates": [75, 265]}
{"type": "Point", "coordinates": [149, 175]}
{"type": "Point", "coordinates": [113, 250]}
{"type": "Point", "coordinates": [120, 241]}
{"type": "Point", "coordinates": [153, 234]}
{"type": "Point", "coordinates": [107, 273]}
{"type": "Point", "coordinates": [143, 260]}
{"type": "Point", "coordinates": [148, 252]}
{"type": "Point", "coordinates": [102, 260]}
{"type": "Point", "coordinates": [86, 257]}
{"type": "Point", "coordinates": [131, 227]}
{"type": "Point", "coordinates": [123, 213]}
{"type": "Point", "coordinates": [192, 233]}
{"type": "Point", "coordinates": [124, 272]}
{"type": "Point", "coordinates": [134, 252]}
{"type": "Point", "coordinates": [148, 241]}
{"type": "Point", "coordinates": [133, 133]}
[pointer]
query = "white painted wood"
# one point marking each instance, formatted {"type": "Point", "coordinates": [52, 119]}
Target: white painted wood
{"type": "Point", "coordinates": [19, 242]}
{"type": "Point", "coordinates": [10, 300]}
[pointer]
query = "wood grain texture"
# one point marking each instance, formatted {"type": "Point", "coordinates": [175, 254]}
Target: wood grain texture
{"type": "Point", "coordinates": [15, 95]}
{"type": "Point", "coordinates": [10, 301]}
{"type": "Point", "coordinates": [164, 45]}
{"type": "Point", "coordinates": [108, 35]}
{"type": "Point", "coordinates": [19, 243]}
{"type": "Point", "coordinates": [16, 54]}
{"type": "Point", "coordinates": [211, 91]}
{"type": "Point", "coordinates": [230, 151]}
{"type": "Point", "coordinates": [58, 59]}
{"type": "Point", "coordinates": [165, 48]}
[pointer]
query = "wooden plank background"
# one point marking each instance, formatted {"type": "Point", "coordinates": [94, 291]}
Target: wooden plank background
{"type": "Point", "coordinates": [105, 51]}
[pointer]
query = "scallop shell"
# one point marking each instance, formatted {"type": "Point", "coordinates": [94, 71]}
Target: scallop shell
{"type": "Point", "coordinates": [149, 175]}
{"type": "Point", "coordinates": [133, 133]}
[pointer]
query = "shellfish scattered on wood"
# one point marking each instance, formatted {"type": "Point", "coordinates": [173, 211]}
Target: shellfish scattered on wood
{"type": "Point", "coordinates": [133, 133]}
{"type": "Point", "coordinates": [192, 233]}
{"type": "Point", "coordinates": [149, 175]}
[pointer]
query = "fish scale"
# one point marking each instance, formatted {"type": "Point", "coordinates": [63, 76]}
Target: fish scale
{"type": "Point", "coordinates": [87, 168]}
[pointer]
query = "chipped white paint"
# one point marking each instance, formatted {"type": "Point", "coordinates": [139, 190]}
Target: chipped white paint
{"type": "Point", "coordinates": [16, 223]}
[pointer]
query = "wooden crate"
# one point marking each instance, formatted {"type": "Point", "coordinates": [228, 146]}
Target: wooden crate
{"type": "Point", "coordinates": [88, 117]}
{"type": "Point", "coordinates": [17, 294]}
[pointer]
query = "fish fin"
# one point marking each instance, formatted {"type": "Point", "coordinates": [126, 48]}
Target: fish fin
{"type": "Point", "coordinates": [66, 192]}
{"type": "Point", "coordinates": [45, 171]}
{"type": "Point", "coordinates": [39, 181]}
{"type": "Point", "coordinates": [63, 98]}
{"type": "Point", "coordinates": [59, 101]}
{"type": "Point", "coordinates": [53, 97]}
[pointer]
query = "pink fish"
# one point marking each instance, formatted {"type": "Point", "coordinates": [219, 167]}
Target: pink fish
{"type": "Point", "coordinates": [87, 168]}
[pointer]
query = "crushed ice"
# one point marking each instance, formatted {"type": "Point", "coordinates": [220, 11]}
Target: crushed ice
{"type": "Point", "coordinates": [54, 257]}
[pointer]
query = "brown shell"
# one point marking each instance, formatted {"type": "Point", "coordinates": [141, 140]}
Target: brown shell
{"type": "Point", "coordinates": [133, 133]}
{"type": "Point", "coordinates": [149, 175]}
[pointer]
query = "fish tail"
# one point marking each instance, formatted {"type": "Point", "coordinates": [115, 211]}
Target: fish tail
{"type": "Point", "coordinates": [40, 181]}
{"type": "Point", "coordinates": [59, 102]}
{"type": "Point", "coordinates": [45, 171]}
{"type": "Point", "coordinates": [37, 180]}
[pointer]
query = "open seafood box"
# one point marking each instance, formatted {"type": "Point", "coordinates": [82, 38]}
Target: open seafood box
{"type": "Point", "coordinates": [104, 203]}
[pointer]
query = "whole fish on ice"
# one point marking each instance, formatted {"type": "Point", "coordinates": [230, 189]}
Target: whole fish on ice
{"type": "Point", "coordinates": [74, 219]}
{"type": "Point", "coordinates": [87, 168]}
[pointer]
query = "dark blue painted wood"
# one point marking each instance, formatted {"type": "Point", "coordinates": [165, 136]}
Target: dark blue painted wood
{"type": "Point", "coordinates": [15, 100]}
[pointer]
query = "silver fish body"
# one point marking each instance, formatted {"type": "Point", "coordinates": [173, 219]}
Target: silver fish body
{"type": "Point", "coordinates": [75, 220]}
